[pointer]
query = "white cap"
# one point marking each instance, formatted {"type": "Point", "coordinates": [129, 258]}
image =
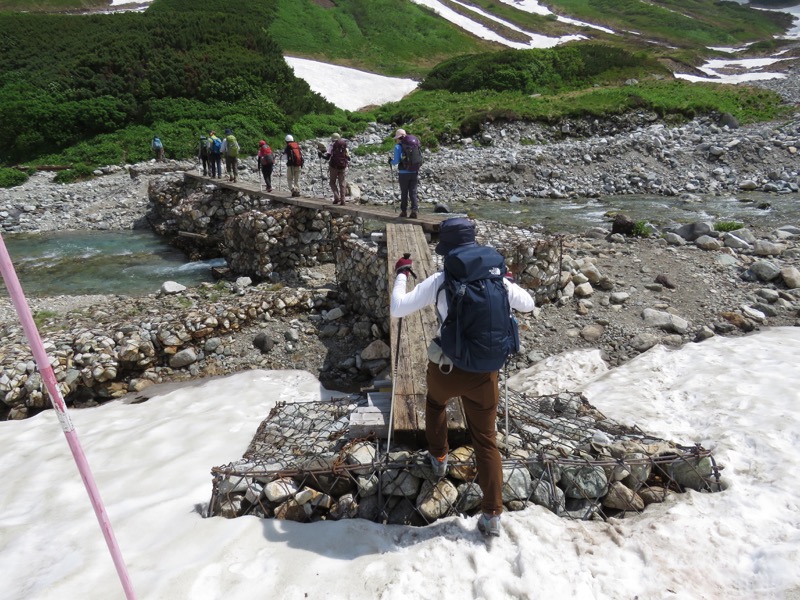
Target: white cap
{"type": "Point", "coordinates": [289, 138]}
{"type": "Point", "coordinates": [399, 133]}
{"type": "Point", "coordinates": [335, 137]}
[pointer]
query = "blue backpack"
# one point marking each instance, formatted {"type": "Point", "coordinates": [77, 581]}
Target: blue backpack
{"type": "Point", "coordinates": [479, 332]}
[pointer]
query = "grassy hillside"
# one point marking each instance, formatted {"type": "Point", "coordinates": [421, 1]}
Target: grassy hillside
{"type": "Point", "coordinates": [681, 23]}
{"type": "Point", "coordinates": [392, 37]}
{"type": "Point", "coordinates": [108, 83]}
{"type": "Point", "coordinates": [440, 114]}
{"type": "Point", "coordinates": [578, 80]}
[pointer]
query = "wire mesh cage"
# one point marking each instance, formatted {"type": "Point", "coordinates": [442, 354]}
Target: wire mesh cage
{"type": "Point", "coordinates": [557, 451]}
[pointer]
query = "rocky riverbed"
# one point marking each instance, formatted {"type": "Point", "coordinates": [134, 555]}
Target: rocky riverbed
{"type": "Point", "coordinates": [711, 285]}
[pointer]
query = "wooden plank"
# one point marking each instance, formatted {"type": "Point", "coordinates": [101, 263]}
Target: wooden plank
{"type": "Point", "coordinates": [415, 333]}
{"type": "Point", "coordinates": [429, 222]}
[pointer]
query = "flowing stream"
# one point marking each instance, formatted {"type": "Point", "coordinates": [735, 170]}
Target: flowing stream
{"type": "Point", "coordinates": [131, 263]}
{"type": "Point", "coordinates": [138, 262]}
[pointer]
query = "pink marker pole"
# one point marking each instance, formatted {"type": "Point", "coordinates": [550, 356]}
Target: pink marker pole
{"type": "Point", "coordinates": [49, 378]}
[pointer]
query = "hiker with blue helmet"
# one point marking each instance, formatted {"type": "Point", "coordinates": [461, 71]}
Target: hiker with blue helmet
{"type": "Point", "coordinates": [455, 366]}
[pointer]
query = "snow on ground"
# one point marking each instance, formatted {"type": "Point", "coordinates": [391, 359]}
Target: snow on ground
{"type": "Point", "coordinates": [794, 32]}
{"type": "Point", "coordinates": [347, 88]}
{"type": "Point", "coordinates": [746, 69]}
{"type": "Point", "coordinates": [533, 6]}
{"type": "Point", "coordinates": [152, 461]}
{"type": "Point", "coordinates": [483, 32]}
{"type": "Point", "coordinates": [738, 396]}
{"type": "Point", "coordinates": [121, 2]}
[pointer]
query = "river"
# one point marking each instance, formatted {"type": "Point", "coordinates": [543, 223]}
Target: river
{"type": "Point", "coordinates": [137, 262]}
{"type": "Point", "coordinates": [127, 262]}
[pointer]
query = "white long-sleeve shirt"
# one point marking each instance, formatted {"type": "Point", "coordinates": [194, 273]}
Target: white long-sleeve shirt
{"type": "Point", "coordinates": [424, 294]}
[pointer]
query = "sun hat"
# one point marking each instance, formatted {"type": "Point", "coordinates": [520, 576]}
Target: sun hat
{"type": "Point", "coordinates": [228, 132]}
{"type": "Point", "coordinates": [454, 233]}
{"type": "Point", "coordinates": [289, 138]}
{"type": "Point", "coordinates": [399, 133]}
{"type": "Point", "coordinates": [335, 137]}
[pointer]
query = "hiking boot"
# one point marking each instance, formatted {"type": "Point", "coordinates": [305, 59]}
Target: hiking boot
{"type": "Point", "coordinates": [295, 193]}
{"type": "Point", "coordinates": [439, 465]}
{"type": "Point", "coordinates": [403, 214]}
{"type": "Point", "coordinates": [489, 524]}
{"type": "Point", "coordinates": [413, 215]}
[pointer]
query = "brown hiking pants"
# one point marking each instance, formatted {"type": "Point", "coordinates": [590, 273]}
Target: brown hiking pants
{"type": "Point", "coordinates": [479, 395]}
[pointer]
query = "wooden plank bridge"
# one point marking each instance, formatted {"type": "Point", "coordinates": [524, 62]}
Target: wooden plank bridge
{"type": "Point", "coordinates": [410, 335]}
{"type": "Point", "coordinates": [429, 222]}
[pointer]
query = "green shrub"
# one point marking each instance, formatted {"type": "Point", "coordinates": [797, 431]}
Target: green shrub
{"type": "Point", "coordinates": [724, 226]}
{"type": "Point", "coordinates": [641, 229]}
{"type": "Point", "coordinates": [567, 67]}
{"type": "Point", "coordinates": [12, 177]}
{"type": "Point", "coordinates": [76, 173]}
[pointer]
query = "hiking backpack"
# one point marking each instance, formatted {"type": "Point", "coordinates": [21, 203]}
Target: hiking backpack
{"type": "Point", "coordinates": [479, 332]}
{"type": "Point", "coordinates": [204, 144]}
{"type": "Point", "coordinates": [339, 158]}
{"type": "Point", "coordinates": [216, 145]}
{"type": "Point", "coordinates": [294, 157]}
{"type": "Point", "coordinates": [232, 148]}
{"type": "Point", "coordinates": [267, 158]}
{"type": "Point", "coordinates": [411, 157]}
{"type": "Point", "coordinates": [157, 144]}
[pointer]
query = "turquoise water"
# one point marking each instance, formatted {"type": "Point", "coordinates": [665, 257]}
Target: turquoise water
{"type": "Point", "coordinates": [138, 262]}
{"type": "Point", "coordinates": [131, 263]}
{"type": "Point", "coordinates": [578, 215]}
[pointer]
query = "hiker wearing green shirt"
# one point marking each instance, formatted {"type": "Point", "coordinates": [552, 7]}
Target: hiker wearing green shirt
{"type": "Point", "coordinates": [230, 149]}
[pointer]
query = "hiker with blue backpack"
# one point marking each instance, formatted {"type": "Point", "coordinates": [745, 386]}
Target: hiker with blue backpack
{"type": "Point", "coordinates": [158, 149]}
{"type": "Point", "coordinates": [215, 154]}
{"type": "Point", "coordinates": [408, 158]}
{"type": "Point", "coordinates": [473, 296]}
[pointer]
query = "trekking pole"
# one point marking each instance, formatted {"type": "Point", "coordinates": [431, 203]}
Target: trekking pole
{"type": "Point", "coordinates": [394, 385]}
{"type": "Point", "coordinates": [321, 179]}
{"type": "Point", "coordinates": [391, 174]}
{"type": "Point", "coordinates": [505, 397]}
